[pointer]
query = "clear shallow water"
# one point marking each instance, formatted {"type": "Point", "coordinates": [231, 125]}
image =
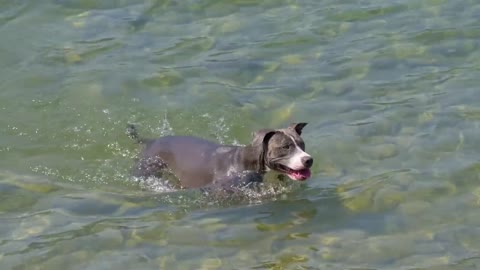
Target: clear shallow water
{"type": "Point", "coordinates": [389, 89]}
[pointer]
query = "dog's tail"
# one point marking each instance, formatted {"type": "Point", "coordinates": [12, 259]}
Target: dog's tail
{"type": "Point", "coordinates": [132, 133]}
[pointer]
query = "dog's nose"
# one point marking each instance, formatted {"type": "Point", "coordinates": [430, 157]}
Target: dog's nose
{"type": "Point", "coordinates": [307, 161]}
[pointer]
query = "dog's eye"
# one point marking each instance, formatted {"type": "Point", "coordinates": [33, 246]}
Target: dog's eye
{"type": "Point", "coordinates": [287, 146]}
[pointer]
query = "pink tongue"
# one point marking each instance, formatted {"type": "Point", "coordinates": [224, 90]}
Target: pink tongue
{"type": "Point", "coordinates": [300, 174]}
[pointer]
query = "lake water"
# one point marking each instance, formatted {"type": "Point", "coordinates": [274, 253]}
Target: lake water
{"type": "Point", "coordinates": [390, 90]}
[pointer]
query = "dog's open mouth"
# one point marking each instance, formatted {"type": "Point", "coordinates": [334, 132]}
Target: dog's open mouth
{"type": "Point", "coordinates": [299, 175]}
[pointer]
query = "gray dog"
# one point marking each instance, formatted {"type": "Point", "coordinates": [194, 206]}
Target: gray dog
{"type": "Point", "coordinates": [198, 162]}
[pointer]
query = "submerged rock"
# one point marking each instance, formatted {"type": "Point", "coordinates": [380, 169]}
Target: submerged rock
{"type": "Point", "coordinates": [382, 151]}
{"type": "Point", "coordinates": [211, 264]}
{"type": "Point", "coordinates": [389, 197]}
{"type": "Point", "coordinates": [382, 249]}
{"type": "Point", "coordinates": [32, 226]}
{"type": "Point", "coordinates": [411, 208]}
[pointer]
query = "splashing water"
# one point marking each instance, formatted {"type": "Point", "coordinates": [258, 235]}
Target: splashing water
{"type": "Point", "coordinates": [164, 128]}
{"type": "Point", "coordinates": [257, 193]}
{"type": "Point", "coordinates": [113, 171]}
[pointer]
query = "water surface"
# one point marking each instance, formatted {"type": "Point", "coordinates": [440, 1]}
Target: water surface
{"type": "Point", "coordinates": [389, 89]}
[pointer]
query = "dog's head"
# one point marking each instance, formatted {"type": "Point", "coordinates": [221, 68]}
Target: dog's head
{"type": "Point", "coordinates": [283, 151]}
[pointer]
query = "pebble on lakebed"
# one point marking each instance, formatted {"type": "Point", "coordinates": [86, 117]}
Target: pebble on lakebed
{"type": "Point", "coordinates": [283, 114]}
{"type": "Point", "coordinates": [388, 198]}
{"type": "Point", "coordinates": [164, 79]}
{"type": "Point", "coordinates": [211, 264]}
{"type": "Point", "coordinates": [376, 193]}
{"type": "Point", "coordinates": [410, 208]}
{"type": "Point", "coordinates": [29, 183]}
{"type": "Point", "coordinates": [381, 151]}
{"type": "Point", "coordinates": [383, 248]}
{"type": "Point", "coordinates": [357, 247]}
{"type": "Point", "coordinates": [32, 226]}
{"type": "Point", "coordinates": [339, 238]}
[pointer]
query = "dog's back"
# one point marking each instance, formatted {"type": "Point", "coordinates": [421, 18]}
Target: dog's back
{"type": "Point", "coordinates": [189, 158]}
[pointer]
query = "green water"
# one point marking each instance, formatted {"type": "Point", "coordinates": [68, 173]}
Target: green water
{"type": "Point", "coordinates": [389, 89]}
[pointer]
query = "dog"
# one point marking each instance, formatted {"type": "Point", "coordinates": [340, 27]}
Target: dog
{"type": "Point", "coordinates": [199, 163]}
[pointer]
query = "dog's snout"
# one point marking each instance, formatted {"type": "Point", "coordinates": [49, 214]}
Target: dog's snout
{"type": "Point", "coordinates": [307, 161]}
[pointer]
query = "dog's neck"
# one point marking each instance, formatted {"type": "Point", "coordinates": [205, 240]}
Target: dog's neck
{"type": "Point", "coordinates": [251, 158]}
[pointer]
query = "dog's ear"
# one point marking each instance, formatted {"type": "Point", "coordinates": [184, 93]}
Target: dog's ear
{"type": "Point", "coordinates": [297, 127]}
{"type": "Point", "coordinates": [260, 141]}
{"type": "Point", "coordinates": [262, 136]}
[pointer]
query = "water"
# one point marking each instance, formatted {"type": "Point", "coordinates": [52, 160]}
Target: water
{"type": "Point", "coordinates": [389, 89]}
